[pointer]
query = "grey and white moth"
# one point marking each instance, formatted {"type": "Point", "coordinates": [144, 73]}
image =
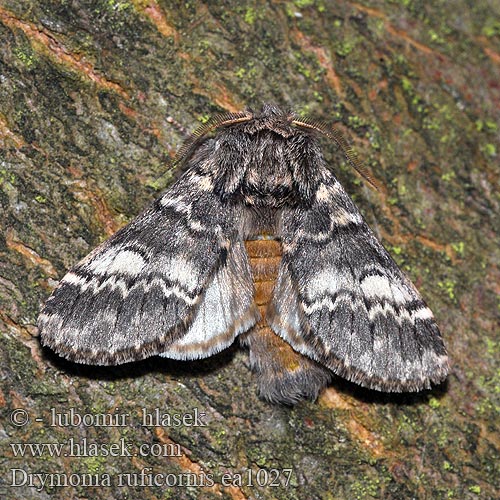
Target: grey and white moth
{"type": "Point", "coordinates": [256, 239]}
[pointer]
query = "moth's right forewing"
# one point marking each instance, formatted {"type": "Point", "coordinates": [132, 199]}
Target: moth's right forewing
{"type": "Point", "coordinates": [342, 300]}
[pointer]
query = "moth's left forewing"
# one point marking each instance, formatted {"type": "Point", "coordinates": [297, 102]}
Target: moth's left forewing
{"type": "Point", "coordinates": [341, 299]}
{"type": "Point", "coordinates": [164, 284]}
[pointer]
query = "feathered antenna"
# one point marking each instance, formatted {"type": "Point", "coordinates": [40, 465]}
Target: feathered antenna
{"type": "Point", "coordinates": [220, 120]}
{"type": "Point", "coordinates": [333, 133]}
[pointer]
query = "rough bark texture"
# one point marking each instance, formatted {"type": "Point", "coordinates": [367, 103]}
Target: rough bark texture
{"type": "Point", "coordinates": [95, 97]}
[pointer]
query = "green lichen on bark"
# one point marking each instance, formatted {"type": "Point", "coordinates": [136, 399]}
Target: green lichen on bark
{"type": "Point", "coordinates": [95, 98]}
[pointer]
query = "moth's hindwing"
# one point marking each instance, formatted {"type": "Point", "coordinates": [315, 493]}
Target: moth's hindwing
{"type": "Point", "coordinates": [174, 281]}
{"type": "Point", "coordinates": [342, 300]}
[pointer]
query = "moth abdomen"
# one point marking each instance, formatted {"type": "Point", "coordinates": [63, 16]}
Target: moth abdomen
{"type": "Point", "coordinates": [283, 374]}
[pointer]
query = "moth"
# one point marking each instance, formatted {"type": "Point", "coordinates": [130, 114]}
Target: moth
{"type": "Point", "coordinates": [257, 240]}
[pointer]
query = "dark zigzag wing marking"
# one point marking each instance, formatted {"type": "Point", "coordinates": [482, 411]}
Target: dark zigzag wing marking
{"type": "Point", "coordinates": [139, 291]}
{"type": "Point", "coordinates": [341, 299]}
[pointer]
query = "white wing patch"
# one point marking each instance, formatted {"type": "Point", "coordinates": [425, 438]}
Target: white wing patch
{"type": "Point", "coordinates": [377, 286]}
{"type": "Point", "coordinates": [326, 281]}
{"type": "Point", "coordinates": [125, 262]}
{"type": "Point", "coordinates": [178, 270]}
{"type": "Point", "coordinates": [226, 310]}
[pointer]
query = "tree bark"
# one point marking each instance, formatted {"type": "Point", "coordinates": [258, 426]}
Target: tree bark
{"type": "Point", "coordinates": [96, 96]}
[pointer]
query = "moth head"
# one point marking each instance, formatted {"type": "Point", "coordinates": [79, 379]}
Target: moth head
{"type": "Point", "coordinates": [273, 118]}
